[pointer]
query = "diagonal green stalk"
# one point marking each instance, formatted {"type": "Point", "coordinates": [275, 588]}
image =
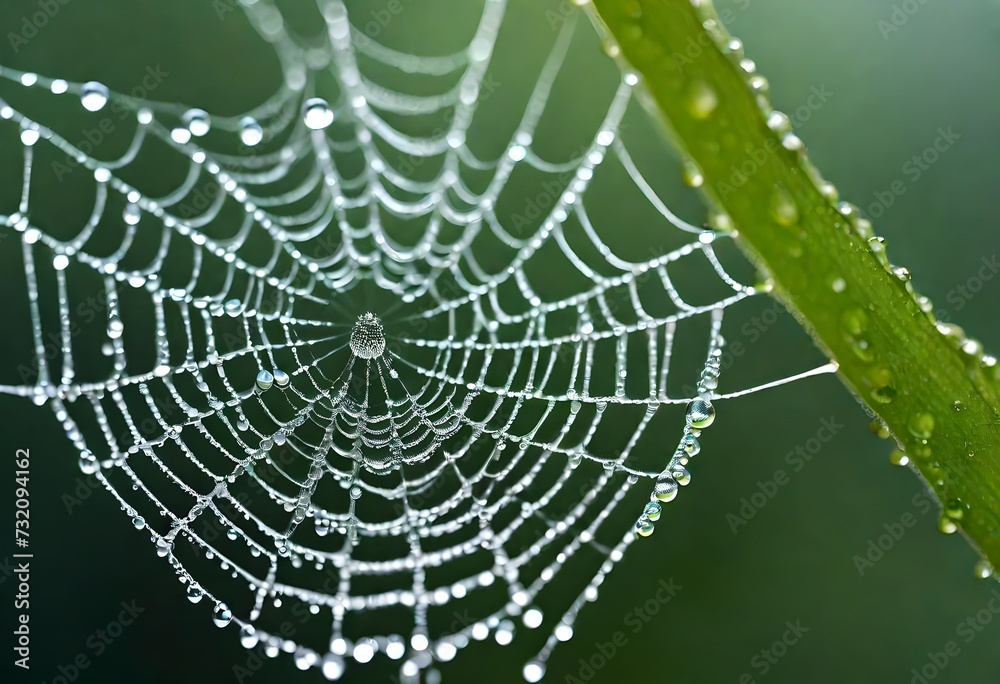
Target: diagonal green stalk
{"type": "Point", "coordinates": [933, 389]}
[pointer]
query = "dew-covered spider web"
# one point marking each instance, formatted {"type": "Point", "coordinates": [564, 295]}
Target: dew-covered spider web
{"type": "Point", "coordinates": [383, 350]}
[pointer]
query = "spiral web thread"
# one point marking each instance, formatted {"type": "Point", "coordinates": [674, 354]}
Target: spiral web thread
{"type": "Point", "coordinates": [417, 466]}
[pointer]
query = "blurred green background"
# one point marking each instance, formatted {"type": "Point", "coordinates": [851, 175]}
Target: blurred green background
{"type": "Point", "coordinates": [795, 560]}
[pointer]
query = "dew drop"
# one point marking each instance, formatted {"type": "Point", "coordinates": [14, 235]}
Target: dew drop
{"type": "Point", "coordinates": [264, 380]}
{"type": "Point", "coordinates": [643, 527]}
{"type": "Point", "coordinates": [701, 99]}
{"type": "Point", "coordinates": [983, 569]}
{"type": "Point", "coordinates": [947, 525]}
{"type": "Point", "coordinates": [281, 378]}
{"type": "Point", "coordinates": [879, 429]}
{"type": "Point", "coordinates": [163, 548]}
{"type": "Point", "coordinates": [316, 113]}
{"type": "Point", "coordinates": [898, 458]}
{"type": "Point", "coordinates": [665, 489]}
{"type": "Point", "coordinates": [700, 414]}
{"type": "Point", "coordinates": [250, 131]}
{"type": "Point", "coordinates": [921, 425]}
{"type": "Point", "coordinates": [93, 96]}
{"type": "Point", "coordinates": [139, 522]}
{"type": "Point", "coordinates": [652, 511]}
{"type": "Point", "coordinates": [195, 593]}
{"type": "Point", "coordinates": [222, 616]}
{"type": "Point", "coordinates": [197, 121]}
{"type": "Point", "coordinates": [690, 445]}
{"type": "Point", "coordinates": [691, 174]}
{"type": "Point", "coordinates": [131, 214]}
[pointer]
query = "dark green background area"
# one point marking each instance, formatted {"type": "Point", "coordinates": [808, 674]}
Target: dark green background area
{"type": "Point", "coordinates": [794, 561]}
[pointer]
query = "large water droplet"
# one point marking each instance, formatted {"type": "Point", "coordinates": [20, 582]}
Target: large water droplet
{"type": "Point", "coordinates": [665, 489]}
{"type": "Point", "coordinates": [93, 96]}
{"type": "Point", "coordinates": [250, 131]}
{"type": "Point", "coordinates": [281, 378]}
{"type": "Point", "coordinates": [195, 593]}
{"type": "Point", "coordinates": [197, 121]}
{"type": "Point", "coordinates": [222, 616]}
{"type": "Point", "coordinates": [700, 414]}
{"type": "Point", "coordinates": [317, 113]}
{"type": "Point", "coordinates": [264, 380]}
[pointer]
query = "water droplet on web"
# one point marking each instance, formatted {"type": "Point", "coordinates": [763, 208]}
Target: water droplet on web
{"type": "Point", "coordinates": [131, 214]}
{"type": "Point", "coordinates": [93, 96]}
{"type": "Point", "coordinates": [690, 445]}
{"type": "Point", "coordinates": [195, 593]}
{"type": "Point", "coordinates": [222, 616]}
{"type": "Point", "coordinates": [264, 380]}
{"type": "Point", "coordinates": [138, 522]}
{"type": "Point", "coordinates": [983, 569]}
{"type": "Point", "coordinates": [316, 114]}
{"type": "Point", "coordinates": [700, 413]}
{"type": "Point", "coordinates": [163, 547]}
{"type": "Point", "coordinates": [665, 489]}
{"type": "Point", "coordinates": [281, 378]}
{"type": "Point", "coordinates": [250, 131]}
{"type": "Point", "coordinates": [197, 121]}
{"type": "Point", "coordinates": [644, 527]}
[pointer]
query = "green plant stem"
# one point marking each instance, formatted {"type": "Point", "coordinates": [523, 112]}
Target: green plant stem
{"type": "Point", "coordinates": [940, 401]}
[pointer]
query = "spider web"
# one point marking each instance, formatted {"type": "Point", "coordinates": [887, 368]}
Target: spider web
{"type": "Point", "coordinates": [351, 377]}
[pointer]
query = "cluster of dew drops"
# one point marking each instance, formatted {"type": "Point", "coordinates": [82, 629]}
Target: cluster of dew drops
{"type": "Point", "coordinates": [699, 415]}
